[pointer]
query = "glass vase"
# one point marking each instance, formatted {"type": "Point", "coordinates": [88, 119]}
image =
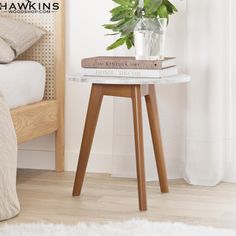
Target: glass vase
{"type": "Point", "coordinates": [149, 39]}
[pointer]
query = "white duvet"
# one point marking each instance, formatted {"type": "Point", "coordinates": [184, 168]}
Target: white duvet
{"type": "Point", "coordinates": [9, 204]}
{"type": "Point", "coordinates": [22, 82]}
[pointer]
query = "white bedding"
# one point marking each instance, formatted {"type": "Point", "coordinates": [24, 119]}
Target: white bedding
{"type": "Point", "coordinates": [22, 82]}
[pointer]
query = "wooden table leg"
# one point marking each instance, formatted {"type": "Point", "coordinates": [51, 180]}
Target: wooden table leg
{"type": "Point", "coordinates": [156, 137]}
{"type": "Point", "coordinates": [138, 131]}
{"type": "Point", "coordinates": [94, 106]}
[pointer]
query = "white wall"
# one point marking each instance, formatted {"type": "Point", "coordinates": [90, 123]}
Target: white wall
{"type": "Point", "coordinates": [113, 149]}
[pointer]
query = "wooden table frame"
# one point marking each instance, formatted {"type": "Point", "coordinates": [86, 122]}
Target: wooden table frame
{"type": "Point", "coordinates": [135, 92]}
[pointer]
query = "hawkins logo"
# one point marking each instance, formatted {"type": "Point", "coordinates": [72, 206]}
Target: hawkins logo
{"type": "Point", "coordinates": [29, 7]}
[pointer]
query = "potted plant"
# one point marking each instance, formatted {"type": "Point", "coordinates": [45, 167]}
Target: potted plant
{"type": "Point", "coordinates": [140, 24]}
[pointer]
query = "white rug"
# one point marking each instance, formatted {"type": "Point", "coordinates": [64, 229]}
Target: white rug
{"type": "Point", "coordinates": [129, 228]}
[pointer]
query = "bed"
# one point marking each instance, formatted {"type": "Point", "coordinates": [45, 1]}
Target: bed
{"type": "Point", "coordinates": [16, 83]}
{"type": "Point", "coordinates": [46, 116]}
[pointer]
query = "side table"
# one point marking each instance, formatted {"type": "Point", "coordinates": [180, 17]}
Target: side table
{"type": "Point", "coordinates": [133, 88]}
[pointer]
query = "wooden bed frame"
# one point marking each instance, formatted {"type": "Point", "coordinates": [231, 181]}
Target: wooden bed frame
{"type": "Point", "coordinates": [47, 116]}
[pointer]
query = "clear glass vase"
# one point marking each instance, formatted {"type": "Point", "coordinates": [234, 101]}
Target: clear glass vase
{"type": "Point", "coordinates": [149, 39]}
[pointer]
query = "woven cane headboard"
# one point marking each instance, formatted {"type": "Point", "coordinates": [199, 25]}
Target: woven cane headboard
{"type": "Point", "coordinates": [48, 50]}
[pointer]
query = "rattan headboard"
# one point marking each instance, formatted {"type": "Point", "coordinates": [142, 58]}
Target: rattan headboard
{"type": "Point", "coordinates": [47, 50]}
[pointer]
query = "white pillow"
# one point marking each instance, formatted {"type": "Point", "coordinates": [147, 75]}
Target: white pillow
{"type": "Point", "coordinates": [6, 53]}
{"type": "Point", "coordinates": [19, 35]}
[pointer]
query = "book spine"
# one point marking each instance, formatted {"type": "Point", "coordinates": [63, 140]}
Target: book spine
{"type": "Point", "coordinates": [124, 64]}
{"type": "Point", "coordinates": [130, 73]}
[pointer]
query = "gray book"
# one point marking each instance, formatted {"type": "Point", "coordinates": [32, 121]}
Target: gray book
{"type": "Point", "coordinates": [127, 63]}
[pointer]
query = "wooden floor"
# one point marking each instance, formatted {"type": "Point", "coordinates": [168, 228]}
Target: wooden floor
{"type": "Point", "coordinates": [46, 196]}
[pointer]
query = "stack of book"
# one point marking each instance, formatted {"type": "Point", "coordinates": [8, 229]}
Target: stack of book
{"type": "Point", "coordinates": [128, 67]}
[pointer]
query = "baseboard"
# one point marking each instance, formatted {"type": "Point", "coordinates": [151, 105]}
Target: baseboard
{"type": "Point", "coordinates": [230, 175]}
{"type": "Point", "coordinates": [36, 159]}
{"type": "Point", "coordinates": [124, 166]}
{"type": "Point", "coordinates": [98, 162]}
{"type": "Point", "coordinates": [42, 159]}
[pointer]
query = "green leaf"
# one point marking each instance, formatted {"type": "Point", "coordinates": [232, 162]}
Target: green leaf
{"type": "Point", "coordinates": [162, 11]}
{"type": "Point", "coordinates": [111, 34]}
{"type": "Point", "coordinates": [117, 9]}
{"type": "Point", "coordinates": [151, 6]}
{"type": "Point", "coordinates": [121, 15]}
{"type": "Point", "coordinates": [109, 26]}
{"type": "Point", "coordinates": [170, 7]}
{"type": "Point", "coordinates": [117, 43]}
{"type": "Point", "coordinates": [120, 26]}
{"type": "Point", "coordinates": [128, 26]}
{"type": "Point", "coordinates": [128, 43]}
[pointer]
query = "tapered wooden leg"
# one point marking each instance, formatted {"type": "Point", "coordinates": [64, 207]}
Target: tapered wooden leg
{"type": "Point", "coordinates": [60, 149]}
{"type": "Point", "coordinates": [156, 138]}
{"type": "Point", "coordinates": [60, 137]}
{"type": "Point", "coordinates": [89, 130]}
{"type": "Point", "coordinates": [138, 133]}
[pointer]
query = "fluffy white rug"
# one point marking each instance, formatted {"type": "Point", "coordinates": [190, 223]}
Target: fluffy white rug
{"type": "Point", "coordinates": [129, 228]}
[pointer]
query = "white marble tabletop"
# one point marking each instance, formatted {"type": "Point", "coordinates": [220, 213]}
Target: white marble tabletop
{"type": "Point", "coordinates": [180, 78]}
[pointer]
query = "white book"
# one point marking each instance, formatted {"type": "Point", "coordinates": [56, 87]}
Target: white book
{"type": "Point", "coordinates": [130, 72]}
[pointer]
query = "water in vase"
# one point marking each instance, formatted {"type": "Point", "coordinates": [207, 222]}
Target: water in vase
{"type": "Point", "coordinates": [149, 38]}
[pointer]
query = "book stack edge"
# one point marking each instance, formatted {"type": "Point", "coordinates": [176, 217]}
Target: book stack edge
{"type": "Point", "coordinates": [128, 67]}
